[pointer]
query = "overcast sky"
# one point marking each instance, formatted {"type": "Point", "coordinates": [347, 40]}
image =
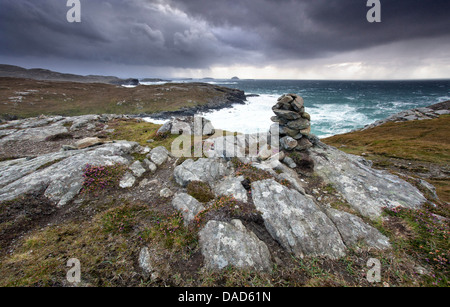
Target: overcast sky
{"type": "Point", "coordinates": [271, 39]}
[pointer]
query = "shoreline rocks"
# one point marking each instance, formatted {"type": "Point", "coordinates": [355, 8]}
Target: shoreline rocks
{"type": "Point", "coordinates": [430, 112]}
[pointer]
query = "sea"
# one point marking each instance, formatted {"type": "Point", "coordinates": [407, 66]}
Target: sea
{"type": "Point", "coordinates": [336, 107]}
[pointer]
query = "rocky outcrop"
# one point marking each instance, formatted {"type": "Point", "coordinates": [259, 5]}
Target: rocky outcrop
{"type": "Point", "coordinates": [273, 204]}
{"type": "Point", "coordinates": [433, 111]}
{"type": "Point", "coordinates": [296, 222]}
{"type": "Point", "coordinates": [232, 186]}
{"type": "Point", "coordinates": [367, 190]}
{"type": "Point", "coordinates": [220, 97]}
{"type": "Point", "coordinates": [231, 244]}
{"type": "Point", "coordinates": [60, 174]}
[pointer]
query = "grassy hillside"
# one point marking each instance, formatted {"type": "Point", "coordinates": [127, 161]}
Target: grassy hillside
{"type": "Point", "coordinates": [29, 98]}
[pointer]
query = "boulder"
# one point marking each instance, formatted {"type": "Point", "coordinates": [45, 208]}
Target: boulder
{"type": "Point", "coordinates": [127, 181]}
{"type": "Point", "coordinates": [188, 206]}
{"type": "Point", "coordinates": [166, 193]}
{"type": "Point", "coordinates": [158, 155]}
{"type": "Point", "coordinates": [205, 170]}
{"type": "Point", "coordinates": [231, 244]}
{"type": "Point", "coordinates": [303, 144]}
{"type": "Point", "coordinates": [298, 104]}
{"type": "Point", "coordinates": [287, 115]}
{"type": "Point", "coordinates": [137, 169]}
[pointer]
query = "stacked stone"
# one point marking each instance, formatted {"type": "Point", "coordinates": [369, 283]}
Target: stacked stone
{"type": "Point", "coordinates": [292, 122]}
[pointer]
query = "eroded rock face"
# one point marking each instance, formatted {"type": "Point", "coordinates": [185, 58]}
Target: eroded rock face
{"type": "Point", "coordinates": [296, 222]}
{"type": "Point", "coordinates": [225, 244]}
{"type": "Point", "coordinates": [367, 190]}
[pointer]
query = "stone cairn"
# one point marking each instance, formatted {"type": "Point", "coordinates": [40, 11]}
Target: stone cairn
{"type": "Point", "coordinates": [293, 123]}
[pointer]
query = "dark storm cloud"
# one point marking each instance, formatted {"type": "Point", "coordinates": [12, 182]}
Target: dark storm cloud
{"type": "Point", "coordinates": [311, 28]}
{"type": "Point", "coordinates": [201, 33]}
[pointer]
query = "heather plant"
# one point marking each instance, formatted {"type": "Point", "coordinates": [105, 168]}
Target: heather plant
{"type": "Point", "coordinates": [200, 191]}
{"type": "Point", "coordinates": [250, 172]}
{"type": "Point", "coordinates": [98, 178]}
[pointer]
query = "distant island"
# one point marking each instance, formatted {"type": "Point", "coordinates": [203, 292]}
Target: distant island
{"type": "Point", "coordinates": [235, 78]}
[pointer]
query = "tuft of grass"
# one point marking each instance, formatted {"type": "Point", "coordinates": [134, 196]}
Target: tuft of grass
{"type": "Point", "coordinates": [169, 231]}
{"type": "Point", "coordinates": [140, 132]}
{"type": "Point", "coordinates": [105, 245]}
{"type": "Point", "coordinates": [200, 191]}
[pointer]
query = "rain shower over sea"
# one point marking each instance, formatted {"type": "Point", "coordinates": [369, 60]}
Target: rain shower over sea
{"type": "Point", "coordinates": [336, 107]}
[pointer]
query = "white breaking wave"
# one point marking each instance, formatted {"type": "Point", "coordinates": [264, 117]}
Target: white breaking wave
{"type": "Point", "coordinates": [254, 117]}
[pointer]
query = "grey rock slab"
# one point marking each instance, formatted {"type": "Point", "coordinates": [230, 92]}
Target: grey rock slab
{"type": "Point", "coordinates": [231, 186]}
{"type": "Point", "coordinates": [296, 222]}
{"type": "Point", "coordinates": [60, 174]}
{"type": "Point", "coordinates": [354, 230]}
{"type": "Point", "coordinates": [188, 206]}
{"type": "Point", "coordinates": [166, 193]}
{"type": "Point", "coordinates": [367, 190]}
{"type": "Point", "coordinates": [88, 142]}
{"type": "Point", "coordinates": [231, 244]}
{"type": "Point", "coordinates": [204, 169]}
{"type": "Point", "coordinates": [36, 134]}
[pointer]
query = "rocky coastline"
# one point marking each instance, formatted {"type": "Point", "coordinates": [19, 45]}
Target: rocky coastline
{"type": "Point", "coordinates": [249, 202]}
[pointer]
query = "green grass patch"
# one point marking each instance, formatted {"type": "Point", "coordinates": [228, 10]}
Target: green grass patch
{"type": "Point", "coordinates": [428, 240]}
{"type": "Point", "coordinates": [169, 231]}
{"type": "Point", "coordinates": [425, 140]}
